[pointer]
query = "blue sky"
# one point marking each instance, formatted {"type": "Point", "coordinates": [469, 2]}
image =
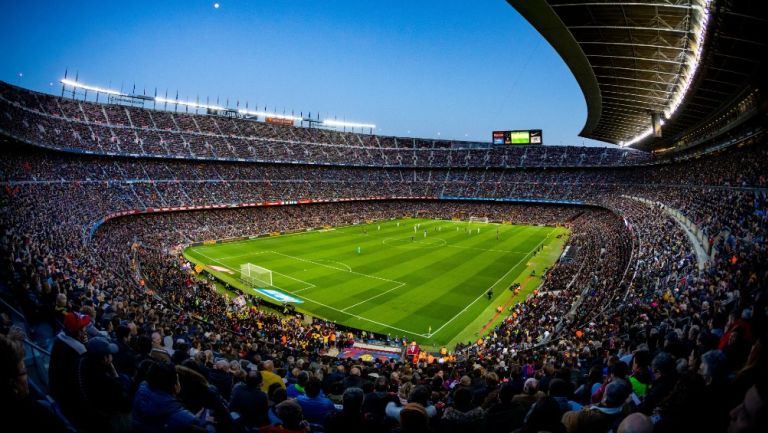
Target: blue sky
{"type": "Point", "coordinates": [428, 68]}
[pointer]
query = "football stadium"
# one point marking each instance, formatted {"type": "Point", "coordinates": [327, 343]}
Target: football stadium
{"type": "Point", "coordinates": [520, 216]}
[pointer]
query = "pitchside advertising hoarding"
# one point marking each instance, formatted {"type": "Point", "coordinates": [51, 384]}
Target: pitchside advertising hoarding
{"type": "Point", "coordinates": [528, 136]}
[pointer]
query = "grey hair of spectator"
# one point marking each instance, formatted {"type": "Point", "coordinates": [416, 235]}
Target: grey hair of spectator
{"type": "Point", "coordinates": [616, 393]}
{"type": "Point", "coordinates": [664, 364]}
{"type": "Point", "coordinates": [713, 366]}
{"type": "Point", "coordinates": [531, 386]}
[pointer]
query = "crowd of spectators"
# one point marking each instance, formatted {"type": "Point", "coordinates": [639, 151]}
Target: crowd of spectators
{"type": "Point", "coordinates": [116, 129]}
{"type": "Point", "coordinates": [630, 335]}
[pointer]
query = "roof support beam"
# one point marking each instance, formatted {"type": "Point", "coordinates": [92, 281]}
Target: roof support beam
{"type": "Point", "coordinates": [634, 94]}
{"type": "Point", "coordinates": [640, 80]}
{"type": "Point", "coordinates": [619, 86]}
{"type": "Point", "coordinates": [630, 44]}
{"type": "Point", "coordinates": [650, 71]}
{"type": "Point", "coordinates": [624, 107]}
{"type": "Point", "coordinates": [641, 59]}
{"type": "Point", "coordinates": [656, 5]}
{"type": "Point", "coordinates": [653, 106]}
{"type": "Point", "coordinates": [617, 128]}
{"type": "Point", "coordinates": [649, 29]}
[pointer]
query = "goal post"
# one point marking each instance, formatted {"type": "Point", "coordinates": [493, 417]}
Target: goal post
{"type": "Point", "coordinates": [255, 275]}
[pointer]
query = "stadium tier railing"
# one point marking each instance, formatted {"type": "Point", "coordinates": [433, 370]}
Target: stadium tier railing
{"type": "Point", "coordinates": [701, 237]}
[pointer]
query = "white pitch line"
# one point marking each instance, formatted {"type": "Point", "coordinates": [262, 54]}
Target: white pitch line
{"type": "Point", "coordinates": [298, 291]}
{"type": "Point", "coordinates": [328, 306]}
{"type": "Point", "coordinates": [307, 283]}
{"type": "Point", "coordinates": [349, 268]}
{"type": "Point", "coordinates": [399, 283]}
{"type": "Point", "coordinates": [253, 253]}
{"type": "Point", "coordinates": [338, 269]}
{"type": "Point", "coordinates": [366, 319]}
{"type": "Point", "coordinates": [374, 297]}
{"type": "Point", "coordinates": [486, 290]}
{"type": "Point", "coordinates": [313, 261]}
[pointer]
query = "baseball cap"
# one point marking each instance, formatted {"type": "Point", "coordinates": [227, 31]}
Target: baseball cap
{"type": "Point", "coordinates": [101, 346]}
{"type": "Point", "coordinates": [74, 322]}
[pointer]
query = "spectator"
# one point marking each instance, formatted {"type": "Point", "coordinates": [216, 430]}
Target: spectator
{"type": "Point", "coordinates": [250, 401]}
{"type": "Point", "coordinates": [200, 397]}
{"type": "Point", "coordinates": [277, 395]}
{"type": "Point", "coordinates": [530, 394]}
{"type": "Point", "coordinates": [314, 404]}
{"type": "Point", "coordinates": [105, 404]}
{"type": "Point", "coordinates": [664, 379]}
{"type": "Point", "coordinates": [351, 418]}
{"type": "Point", "coordinates": [505, 415]}
{"type": "Point", "coordinates": [159, 352]}
{"type": "Point", "coordinates": [296, 389]}
{"type": "Point", "coordinates": [462, 415]}
{"type": "Point", "coordinates": [413, 419]}
{"type": "Point", "coordinates": [292, 419]}
{"type": "Point", "coordinates": [603, 417]}
{"type": "Point", "coordinates": [419, 394]}
{"type": "Point", "coordinates": [17, 403]}
{"type": "Point", "coordinates": [156, 406]}
{"type": "Point", "coordinates": [636, 423]}
{"type": "Point", "coordinates": [268, 376]}
{"type": "Point", "coordinates": [750, 415]}
{"type": "Point", "coordinates": [68, 347]}
{"type": "Point", "coordinates": [543, 416]}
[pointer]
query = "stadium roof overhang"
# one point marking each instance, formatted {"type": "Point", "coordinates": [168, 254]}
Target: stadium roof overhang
{"type": "Point", "coordinates": [683, 60]}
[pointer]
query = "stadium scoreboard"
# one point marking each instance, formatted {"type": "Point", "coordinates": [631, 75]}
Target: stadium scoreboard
{"type": "Point", "coordinates": [528, 136]}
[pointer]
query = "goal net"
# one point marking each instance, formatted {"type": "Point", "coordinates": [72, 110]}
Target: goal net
{"type": "Point", "coordinates": [255, 275]}
{"type": "Point", "coordinates": [473, 219]}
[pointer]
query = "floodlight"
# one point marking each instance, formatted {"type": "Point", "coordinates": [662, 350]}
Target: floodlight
{"type": "Point", "coordinates": [268, 114]}
{"type": "Point", "coordinates": [187, 103]}
{"type": "Point", "coordinates": [331, 122]}
{"type": "Point", "coordinates": [91, 88]}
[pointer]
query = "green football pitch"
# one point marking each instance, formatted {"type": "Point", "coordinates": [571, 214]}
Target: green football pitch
{"type": "Point", "coordinates": [421, 279]}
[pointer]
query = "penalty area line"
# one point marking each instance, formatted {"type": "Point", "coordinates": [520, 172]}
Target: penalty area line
{"type": "Point", "coordinates": [328, 306]}
{"type": "Point", "coordinates": [306, 283]}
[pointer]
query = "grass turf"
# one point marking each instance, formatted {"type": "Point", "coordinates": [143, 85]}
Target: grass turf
{"type": "Point", "coordinates": [429, 288]}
